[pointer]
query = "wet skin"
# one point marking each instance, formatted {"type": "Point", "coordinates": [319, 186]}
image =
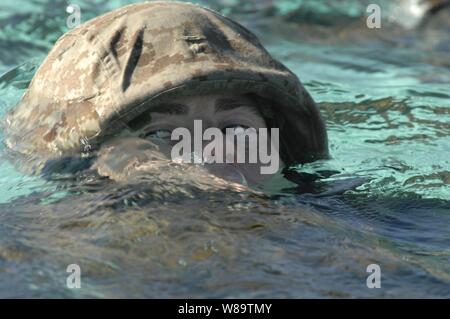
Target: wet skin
{"type": "Point", "coordinates": [215, 111]}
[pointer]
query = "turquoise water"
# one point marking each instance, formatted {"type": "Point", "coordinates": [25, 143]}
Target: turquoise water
{"type": "Point", "coordinates": [383, 198]}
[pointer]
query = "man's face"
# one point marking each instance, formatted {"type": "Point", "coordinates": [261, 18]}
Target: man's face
{"type": "Point", "coordinates": [227, 114]}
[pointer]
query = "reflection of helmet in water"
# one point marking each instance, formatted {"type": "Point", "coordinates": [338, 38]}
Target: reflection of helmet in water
{"type": "Point", "coordinates": [107, 71]}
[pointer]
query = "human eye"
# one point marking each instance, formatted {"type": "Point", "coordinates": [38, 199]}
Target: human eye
{"type": "Point", "coordinates": [235, 129]}
{"type": "Point", "coordinates": [159, 134]}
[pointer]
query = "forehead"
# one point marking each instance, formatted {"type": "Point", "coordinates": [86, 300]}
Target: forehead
{"type": "Point", "coordinates": [206, 104]}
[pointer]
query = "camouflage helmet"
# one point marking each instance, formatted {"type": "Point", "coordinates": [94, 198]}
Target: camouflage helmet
{"type": "Point", "coordinates": [106, 72]}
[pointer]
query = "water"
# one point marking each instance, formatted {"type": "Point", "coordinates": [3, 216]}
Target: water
{"type": "Point", "coordinates": [383, 198]}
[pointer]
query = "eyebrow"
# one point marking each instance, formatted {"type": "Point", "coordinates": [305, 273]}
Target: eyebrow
{"type": "Point", "coordinates": [169, 108]}
{"type": "Point", "coordinates": [225, 104]}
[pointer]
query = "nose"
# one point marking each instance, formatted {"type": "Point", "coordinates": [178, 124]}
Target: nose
{"type": "Point", "coordinates": [227, 172]}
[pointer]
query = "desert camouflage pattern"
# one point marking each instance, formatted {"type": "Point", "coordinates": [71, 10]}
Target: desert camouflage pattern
{"type": "Point", "coordinates": [109, 70]}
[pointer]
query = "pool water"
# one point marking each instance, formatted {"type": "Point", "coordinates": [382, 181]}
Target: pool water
{"type": "Point", "coordinates": [383, 198]}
